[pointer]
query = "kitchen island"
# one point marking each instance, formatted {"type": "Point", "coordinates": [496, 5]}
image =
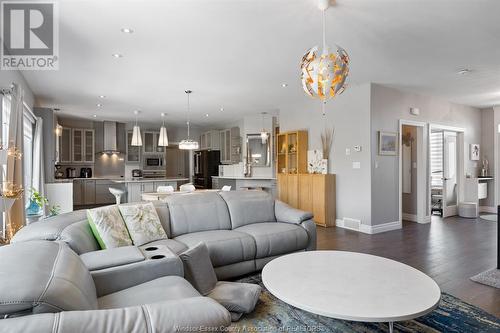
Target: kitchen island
{"type": "Point", "coordinates": [94, 191]}
{"type": "Point", "coordinates": [267, 184]}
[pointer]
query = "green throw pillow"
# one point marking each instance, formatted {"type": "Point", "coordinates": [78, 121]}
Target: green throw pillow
{"type": "Point", "coordinates": [108, 227]}
{"type": "Point", "coordinates": [142, 222]}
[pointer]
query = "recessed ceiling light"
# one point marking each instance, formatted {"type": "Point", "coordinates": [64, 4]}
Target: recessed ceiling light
{"type": "Point", "coordinates": [95, 116]}
{"type": "Point", "coordinates": [221, 109]}
{"type": "Point", "coordinates": [117, 55]}
{"type": "Point", "coordinates": [206, 115]}
{"type": "Point", "coordinates": [284, 85]}
{"type": "Point", "coordinates": [98, 105]}
{"type": "Point", "coordinates": [464, 71]}
{"type": "Point", "coordinates": [127, 30]}
{"type": "Point", "coordinates": [102, 96]}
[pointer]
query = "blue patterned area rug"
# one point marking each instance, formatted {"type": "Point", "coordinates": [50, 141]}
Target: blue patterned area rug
{"type": "Point", "coordinates": [273, 315]}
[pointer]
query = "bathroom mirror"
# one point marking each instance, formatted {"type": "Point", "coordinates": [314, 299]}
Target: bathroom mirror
{"type": "Point", "coordinates": [258, 153]}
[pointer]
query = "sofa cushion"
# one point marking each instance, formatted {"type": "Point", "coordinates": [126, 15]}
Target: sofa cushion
{"type": "Point", "coordinates": [143, 223]}
{"type": "Point", "coordinates": [195, 212]}
{"type": "Point", "coordinates": [175, 246]}
{"type": "Point", "coordinates": [247, 207]}
{"type": "Point", "coordinates": [43, 276]}
{"type": "Point", "coordinates": [198, 269]}
{"type": "Point", "coordinates": [274, 238]}
{"type": "Point", "coordinates": [225, 246]}
{"type": "Point", "coordinates": [158, 290]}
{"type": "Point", "coordinates": [108, 227]}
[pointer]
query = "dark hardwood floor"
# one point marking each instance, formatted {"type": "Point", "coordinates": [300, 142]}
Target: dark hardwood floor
{"type": "Point", "coordinates": [449, 250]}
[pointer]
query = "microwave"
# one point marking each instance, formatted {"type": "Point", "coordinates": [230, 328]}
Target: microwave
{"type": "Point", "coordinates": [156, 162]}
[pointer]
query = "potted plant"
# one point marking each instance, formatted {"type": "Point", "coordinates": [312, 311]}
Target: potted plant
{"type": "Point", "coordinates": [37, 201]}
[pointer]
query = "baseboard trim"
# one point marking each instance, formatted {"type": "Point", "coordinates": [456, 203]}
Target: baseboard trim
{"type": "Point", "coordinates": [371, 229]}
{"type": "Point", "coordinates": [410, 217]}
{"type": "Point", "coordinates": [488, 209]}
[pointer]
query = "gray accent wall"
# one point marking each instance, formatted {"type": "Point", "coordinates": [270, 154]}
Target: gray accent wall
{"type": "Point", "coordinates": [388, 105]}
{"type": "Point", "coordinates": [488, 136]}
{"type": "Point", "coordinates": [349, 115]}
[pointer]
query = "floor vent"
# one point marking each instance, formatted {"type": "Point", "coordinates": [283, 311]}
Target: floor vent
{"type": "Point", "coordinates": [351, 223]}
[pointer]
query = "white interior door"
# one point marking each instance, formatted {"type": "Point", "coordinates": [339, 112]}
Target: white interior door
{"type": "Point", "coordinates": [450, 170]}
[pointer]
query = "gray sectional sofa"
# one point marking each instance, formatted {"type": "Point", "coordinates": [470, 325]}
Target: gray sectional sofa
{"type": "Point", "coordinates": [242, 229]}
{"type": "Point", "coordinates": [73, 286]}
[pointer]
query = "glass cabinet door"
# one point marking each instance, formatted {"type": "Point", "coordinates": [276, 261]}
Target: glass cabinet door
{"type": "Point", "coordinates": [65, 145]}
{"type": "Point", "coordinates": [149, 142]}
{"type": "Point", "coordinates": [132, 151]}
{"type": "Point", "coordinates": [77, 145]}
{"type": "Point", "coordinates": [89, 146]}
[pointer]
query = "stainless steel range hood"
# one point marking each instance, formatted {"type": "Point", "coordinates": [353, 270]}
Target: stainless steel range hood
{"type": "Point", "coordinates": [110, 146]}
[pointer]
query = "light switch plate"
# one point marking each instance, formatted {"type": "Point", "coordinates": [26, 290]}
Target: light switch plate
{"type": "Point", "coordinates": [356, 165]}
{"type": "Point", "coordinates": [348, 151]}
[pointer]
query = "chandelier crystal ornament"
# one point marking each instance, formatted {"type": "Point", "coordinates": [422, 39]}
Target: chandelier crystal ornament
{"type": "Point", "coordinates": [188, 144]}
{"type": "Point", "coordinates": [163, 137]}
{"type": "Point", "coordinates": [324, 75]}
{"type": "Point", "coordinates": [136, 133]}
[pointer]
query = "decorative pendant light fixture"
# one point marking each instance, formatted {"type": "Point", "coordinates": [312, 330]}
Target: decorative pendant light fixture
{"type": "Point", "coordinates": [136, 133]}
{"type": "Point", "coordinates": [324, 76]}
{"type": "Point", "coordinates": [264, 135]}
{"type": "Point", "coordinates": [163, 138]}
{"type": "Point", "coordinates": [188, 144]}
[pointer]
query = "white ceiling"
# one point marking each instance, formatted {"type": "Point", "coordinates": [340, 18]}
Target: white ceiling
{"type": "Point", "coordinates": [236, 53]}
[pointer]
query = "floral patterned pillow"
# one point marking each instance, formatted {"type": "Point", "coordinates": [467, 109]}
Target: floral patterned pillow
{"type": "Point", "coordinates": [108, 227]}
{"type": "Point", "coordinates": [143, 223]}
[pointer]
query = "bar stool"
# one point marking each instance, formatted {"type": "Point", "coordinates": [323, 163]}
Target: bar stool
{"type": "Point", "coordinates": [117, 192]}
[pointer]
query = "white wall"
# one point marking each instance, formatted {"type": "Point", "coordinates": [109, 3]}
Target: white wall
{"type": "Point", "coordinates": [349, 115]}
{"type": "Point", "coordinates": [388, 105]}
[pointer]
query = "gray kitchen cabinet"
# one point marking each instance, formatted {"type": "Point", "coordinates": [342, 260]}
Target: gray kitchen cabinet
{"type": "Point", "coordinates": [89, 192]}
{"type": "Point", "coordinates": [82, 145]}
{"type": "Point", "coordinates": [88, 145]}
{"type": "Point", "coordinates": [148, 145]}
{"type": "Point", "coordinates": [210, 140]}
{"type": "Point", "coordinates": [135, 189]}
{"type": "Point", "coordinates": [230, 145]}
{"type": "Point", "coordinates": [77, 192]}
{"type": "Point", "coordinates": [102, 194]}
{"type": "Point", "coordinates": [77, 145]}
{"type": "Point", "coordinates": [64, 143]}
{"type": "Point", "coordinates": [133, 152]}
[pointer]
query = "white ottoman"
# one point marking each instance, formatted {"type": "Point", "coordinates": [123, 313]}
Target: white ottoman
{"type": "Point", "coordinates": [468, 209]}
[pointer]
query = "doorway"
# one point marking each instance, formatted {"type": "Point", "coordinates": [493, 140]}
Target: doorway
{"type": "Point", "coordinates": [412, 171]}
{"type": "Point", "coordinates": [446, 165]}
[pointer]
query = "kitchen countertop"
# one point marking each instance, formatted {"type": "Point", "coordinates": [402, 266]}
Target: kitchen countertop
{"type": "Point", "coordinates": [123, 180]}
{"type": "Point", "coordinates": [244, 178]}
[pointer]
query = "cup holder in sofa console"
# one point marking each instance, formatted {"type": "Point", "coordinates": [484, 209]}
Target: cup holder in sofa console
{"type": "Point", "coordinates": [158, 256]}
{"type": "Point", "coordinates": [151, 248]}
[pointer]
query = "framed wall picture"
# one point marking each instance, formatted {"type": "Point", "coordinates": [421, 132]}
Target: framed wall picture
{"type": "Point", "coordinates": [475, 151]}
{"type": "Point", "coordinates": [387, 143]}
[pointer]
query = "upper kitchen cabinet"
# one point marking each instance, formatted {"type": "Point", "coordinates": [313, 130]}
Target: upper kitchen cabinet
{"type": "Point", "coordinates": [82, 145]}
{"type": "Point", "coordinates": [64, 145]}
{"type": "Point", "coordinates": [133, 152]}
{"type": "Point", "coordinates": [210, 140]}
{"type": "Point", "coordinates": [150, 143]}
{"type": "Point", "coordinates": [230, 145]}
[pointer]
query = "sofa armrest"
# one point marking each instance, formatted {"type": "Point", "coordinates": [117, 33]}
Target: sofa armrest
{"type": "Point", "coordinates": [158, 263]}
{"type": "Point", "coordinates": [288, 214]}
{"type": "Point", "coordinates": [112, 257]}
{"type": "Point", "coordinates": [190, 314]}
{"type": "Point", "coordinates": [310, 227]}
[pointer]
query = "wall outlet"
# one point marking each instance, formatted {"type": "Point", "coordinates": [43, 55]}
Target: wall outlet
{"type": "Point", "coordinates": [357, 148]}
{"type": "Point", "coordinates": [348, 151]}
{"type": "Point", "coordinates": [356, 165]}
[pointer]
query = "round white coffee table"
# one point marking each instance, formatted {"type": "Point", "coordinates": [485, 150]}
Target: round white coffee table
{"type": "Point", "coordinates": [351, 286]}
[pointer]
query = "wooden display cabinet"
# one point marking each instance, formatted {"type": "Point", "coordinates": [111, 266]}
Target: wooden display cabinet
{"type": "Point", "coordinates": [291, 150]}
